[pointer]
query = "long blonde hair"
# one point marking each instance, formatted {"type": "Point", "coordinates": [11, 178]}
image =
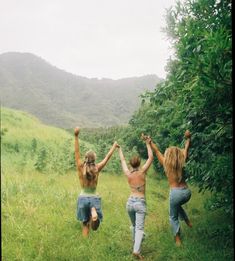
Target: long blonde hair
{"type": "Point", "coordinates": [90, 169]}
{"type": "Point", "coordinates": [174, 161]}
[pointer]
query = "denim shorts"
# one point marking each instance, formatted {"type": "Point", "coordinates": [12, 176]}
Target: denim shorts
{"type": "Point", "coordinates": [84, 205]}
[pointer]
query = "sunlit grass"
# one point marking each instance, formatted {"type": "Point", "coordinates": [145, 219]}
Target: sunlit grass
{"type": "Point", "coordinates": [39, 222]}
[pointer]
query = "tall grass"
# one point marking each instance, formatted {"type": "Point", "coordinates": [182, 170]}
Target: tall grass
{"type": "Point", "coordinates": [39, 222]}
{"type": "Point", "coordinates": [39, 208]}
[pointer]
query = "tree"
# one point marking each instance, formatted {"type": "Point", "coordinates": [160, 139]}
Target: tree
{"type": "Point", "coordinates": [197, 94]}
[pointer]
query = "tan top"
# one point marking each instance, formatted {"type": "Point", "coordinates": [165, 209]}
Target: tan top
{"type": "Point", "coordinates": [137, 177]}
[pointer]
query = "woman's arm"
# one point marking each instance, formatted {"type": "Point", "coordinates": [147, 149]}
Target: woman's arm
{"type": "Point", "coordinates": [187, 135]}
{"type": "Point", "coordinates": [157, 152]}
{"type": "Point", "coordinates": [107, 157]}
{"type": "Point", "coordinates": [77, 151]}
{"type": "Point", "coordinates": [123, 162]}
{"type": "Point", "coordinates": [150, 155]}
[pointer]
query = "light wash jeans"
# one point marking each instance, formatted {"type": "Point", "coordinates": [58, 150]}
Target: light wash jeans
{"type": "Point", "coordinates": [136, 208]}
{"type": "Point", "coordinates": [178, 197]}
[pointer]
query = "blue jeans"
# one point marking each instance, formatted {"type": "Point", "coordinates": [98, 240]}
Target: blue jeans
{"type": "Point", "coordinates": [84, 205]}
{"type": "Point", "coordinates": [178, 197]}
{"type": "Point", "coordinates": [136, 208]}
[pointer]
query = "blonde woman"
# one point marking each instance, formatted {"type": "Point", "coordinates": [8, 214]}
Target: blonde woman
{"type": "Point", "coordinates": [89, 210]}
{"type": "Point", "coordinates": [136, 203]}
{"type": "Point", "coordinates": [173, 162]}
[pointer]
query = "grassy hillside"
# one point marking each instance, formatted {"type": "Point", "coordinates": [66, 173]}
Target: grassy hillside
{"type": "Point", "coordinates": [38, 208]}
{"type": "Point", "coordinates": [28, 144]}
{"type": "Point", "coordinates": [62, 99]}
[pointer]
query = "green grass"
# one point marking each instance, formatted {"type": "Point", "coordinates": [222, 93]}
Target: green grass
{"type": "Point", "coordinates": [39, 222]}
{"type": "Point", "coordinates": [38, 215]}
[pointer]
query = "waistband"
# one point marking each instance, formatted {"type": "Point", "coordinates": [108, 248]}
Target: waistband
{"type": "Point", "coordinates": [176, 188]}
{"type": "Point", "coordinates": [89, 195]}
{"type": "Point", "coordinates": [133, 197]}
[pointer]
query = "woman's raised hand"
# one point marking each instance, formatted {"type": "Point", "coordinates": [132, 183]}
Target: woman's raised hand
{"type": "Point", "coordinates": [76, 131]}
{"type": "Point", "coordinates": [187, 134]}
{"type": "Point", "coordinates": [116, 145]}
{"type": "Point", "coordinates": [146, 138]}
{"type": "Point", "coordinates": [143, 137]}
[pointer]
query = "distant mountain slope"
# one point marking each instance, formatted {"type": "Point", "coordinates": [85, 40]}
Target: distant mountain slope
{"type": "Point", "coordinates": [62, 99]}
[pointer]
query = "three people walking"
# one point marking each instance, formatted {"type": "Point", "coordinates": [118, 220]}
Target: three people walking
{"type": "Point", "coordinates": [89, 210]}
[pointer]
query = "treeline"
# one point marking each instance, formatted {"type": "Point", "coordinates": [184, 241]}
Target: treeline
{"type": "Point", "coordinates": [196, 95]}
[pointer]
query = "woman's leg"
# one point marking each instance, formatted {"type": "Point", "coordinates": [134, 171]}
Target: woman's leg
{"type": "Point", "coordinates": [178, 197]}
{"type": "Point", "coordinates": [174, 214]}
{"type": "Point", "coordinates": [83, 214]}
{"type": "Point", "coordinates": [131, 214]}
{"type": "Point", "coordinates": [140, 212]}
{"type": "Point", "coordinates": [186, 195]}
{"type": "Point", "coordinates": [175, 223]}
{"type": "Point", "coordinates": [139, 231]}
{"type": "Point", "coordinates": [183, 216]}
{"type": "Point", "coordinates": [85, 228]}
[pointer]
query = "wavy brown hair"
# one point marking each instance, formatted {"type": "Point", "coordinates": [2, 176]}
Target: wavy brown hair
{"type": "Point", "coordinates": [90, 169]}
{"type": "Point", "coordinates": [135, 161]}
{"type": "Point", "coordinates": [174, 161]}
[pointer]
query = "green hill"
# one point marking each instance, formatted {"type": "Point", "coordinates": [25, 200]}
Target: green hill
{"type": "Point", "coordinates": [27, 144]}
{"type": "Point", "coordinates": [59, 98]}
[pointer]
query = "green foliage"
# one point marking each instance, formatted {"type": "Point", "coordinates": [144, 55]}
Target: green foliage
{"type": "Point", "coordinates": [197, 95]}
{"type": "Point", "coordinates": [41, 163]}
{"type": "Point", "coordinates": [33, 146]}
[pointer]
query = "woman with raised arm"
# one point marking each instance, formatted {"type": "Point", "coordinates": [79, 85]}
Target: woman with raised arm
{"type": "Point", "coordinates": [173, 162]}
{"type": "Point", "coordinates": [136, 204]}
{"type": "Point", "coordinates": [89, 210]}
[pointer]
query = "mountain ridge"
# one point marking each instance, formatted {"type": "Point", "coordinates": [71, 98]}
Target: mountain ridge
{"type": "Point", "coordinates": [63, 99]}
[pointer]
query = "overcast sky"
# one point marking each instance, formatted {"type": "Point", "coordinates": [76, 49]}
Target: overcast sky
{"type": "Point", "coordinates": [92, 38]}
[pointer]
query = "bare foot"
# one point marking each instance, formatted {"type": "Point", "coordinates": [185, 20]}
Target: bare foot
{"type": "Point", "coordinates": [189, 224]}
{"type": "Point", "coordinates": [138, 256]}
{"type": "Point", "coordinates": [177, 240]}
{"type": "Point", "coordinates": [94, 215]}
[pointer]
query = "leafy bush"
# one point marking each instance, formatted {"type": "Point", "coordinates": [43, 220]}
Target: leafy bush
{"type": "Point", "coordinates": [196, 95]}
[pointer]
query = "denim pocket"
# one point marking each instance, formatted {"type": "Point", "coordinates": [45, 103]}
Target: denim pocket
{"type": "Point", "coordinates": [96, 202]}
{"type": "Point", "coordinates": [82, 201]}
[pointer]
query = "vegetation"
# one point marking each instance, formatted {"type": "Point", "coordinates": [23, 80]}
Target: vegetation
{"type": "Point", "coordinates": [197, 95]}
{"type": "Point", "coordinates": [39, 222]}
{"type": "Point", "coordinates": [37, 147]}
{"type": "Point", "coordinates": [39, 203]}
{"type": "Point", "coordinates": [39, 181]}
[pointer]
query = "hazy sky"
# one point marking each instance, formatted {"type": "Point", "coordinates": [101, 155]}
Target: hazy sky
{"type": "Point", "coordinates": [92, 38]}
